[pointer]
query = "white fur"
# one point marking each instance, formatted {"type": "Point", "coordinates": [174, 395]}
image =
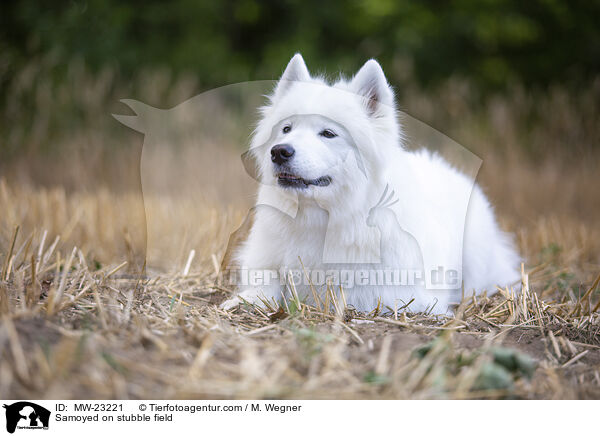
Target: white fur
{"type": "Point", "coordinates": [433, 220]}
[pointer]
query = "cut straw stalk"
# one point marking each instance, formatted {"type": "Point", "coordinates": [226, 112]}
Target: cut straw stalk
{"type": "Point", "coordinates": [318, 301]}
{"type": "Point", "coordinates": [23, 252]}
{"type": "Point", "coordinates": [575, 358]}
{"type": "Point", "coordinates": [46, 258]}
{"type": "Point", "coordinates": [114, 270]}
{"type": "Point", "coordinates": [352, 332]}
{"type": "Point", "coordinates": [32, 294]}
{"type": "Point", "coordinates": [188, 264]}
{"type": "Point", "coordinates": [55, 296]}
{"type": "Point", "coordinates": [9, 256]}
{"type": "Point", "coordinates": [579, 305]}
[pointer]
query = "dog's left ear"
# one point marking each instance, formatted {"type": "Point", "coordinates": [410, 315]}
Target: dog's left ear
{"type": "Point", "coordinates": [370, 83]}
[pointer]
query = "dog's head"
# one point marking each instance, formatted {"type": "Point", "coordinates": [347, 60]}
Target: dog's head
{"type": "Point", "coordinates": [324, 139]}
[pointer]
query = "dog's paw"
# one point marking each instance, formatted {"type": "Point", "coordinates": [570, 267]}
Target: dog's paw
{"type": "Point", "coordinates": [249, 296]}
{"type": "Point", "coordinates": [230, 304]}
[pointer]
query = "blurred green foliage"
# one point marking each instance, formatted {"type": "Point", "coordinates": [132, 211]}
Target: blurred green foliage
{"type": "Point", "coordinates": [490, 42]}
{"type": "Point", "coordinates": [502, 73]}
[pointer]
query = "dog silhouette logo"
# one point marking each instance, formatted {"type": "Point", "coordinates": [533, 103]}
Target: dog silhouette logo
{"type": "Point", "coordinates": [26, 415]}
{"type": "Point", "coordinates": [320, 176]}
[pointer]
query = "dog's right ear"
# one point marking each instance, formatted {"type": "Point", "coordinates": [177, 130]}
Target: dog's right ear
{"type": "Point", "coordinates": [295, 71]}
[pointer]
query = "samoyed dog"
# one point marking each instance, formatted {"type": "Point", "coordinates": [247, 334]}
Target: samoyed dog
{"type": "Point", "coordinates": [343, 206]}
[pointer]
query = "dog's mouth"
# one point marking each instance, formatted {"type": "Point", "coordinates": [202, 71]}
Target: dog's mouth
{"type": "Point", "coordinates": [290, 180]}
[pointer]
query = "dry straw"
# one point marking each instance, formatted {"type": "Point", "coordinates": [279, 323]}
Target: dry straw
{"type": "Point", "coordinates": [83, 318]}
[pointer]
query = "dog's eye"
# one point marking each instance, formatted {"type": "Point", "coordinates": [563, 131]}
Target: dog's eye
{"type": "Point", "coordinates": [328, 134]}
{"type": "Point", "coordinates": [287, 129]}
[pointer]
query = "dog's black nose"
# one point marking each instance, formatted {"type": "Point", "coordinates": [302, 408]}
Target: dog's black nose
{"type": "Point", "coordinates": [281, 153]}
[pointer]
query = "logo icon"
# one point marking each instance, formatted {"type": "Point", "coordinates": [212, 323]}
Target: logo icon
{"type": "Point", "coordinates": [26, 415]}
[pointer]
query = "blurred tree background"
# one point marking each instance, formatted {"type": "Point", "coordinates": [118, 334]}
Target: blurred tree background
{"type": "Point", "coordinates": [507, 69]}
{"type": "Point", "coordinates": [492, 42]}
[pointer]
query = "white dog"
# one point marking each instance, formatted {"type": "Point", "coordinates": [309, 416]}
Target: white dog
{"type": "Point", "coordinates": [342, 204]}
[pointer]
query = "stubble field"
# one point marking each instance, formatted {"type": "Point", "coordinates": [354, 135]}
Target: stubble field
{"type": "Point", "coordinates": [105, 293]}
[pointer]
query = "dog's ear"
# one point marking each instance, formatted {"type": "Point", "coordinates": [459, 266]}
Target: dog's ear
{"type": "Point", "coordinates": [295, 71]}
{"type": "Point", "coordinates": [370, 83]}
